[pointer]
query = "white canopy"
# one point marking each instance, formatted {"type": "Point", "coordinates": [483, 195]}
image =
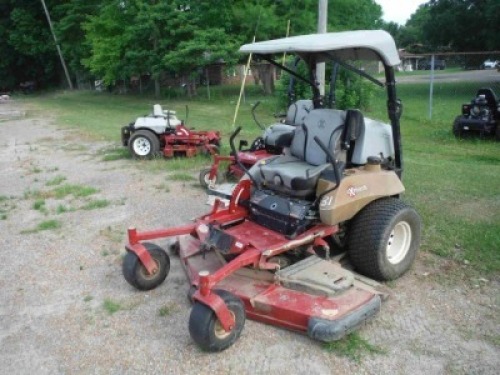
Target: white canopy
{"type": "Point", "coordinates": [347, 45]}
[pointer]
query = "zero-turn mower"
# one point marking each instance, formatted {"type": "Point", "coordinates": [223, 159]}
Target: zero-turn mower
{"type": "Point", "coordinates": [274, 253]}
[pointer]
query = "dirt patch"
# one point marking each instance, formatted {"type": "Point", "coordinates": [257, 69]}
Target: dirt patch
{"type": "Point", "coordinates": [65, 307]}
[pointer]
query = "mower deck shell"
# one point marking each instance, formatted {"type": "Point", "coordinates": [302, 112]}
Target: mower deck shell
{"type": "Point", "coordinates": [266, 299]}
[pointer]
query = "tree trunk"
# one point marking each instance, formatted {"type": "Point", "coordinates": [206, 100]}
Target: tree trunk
{"type": "Point", "coordinates": [266, 74]}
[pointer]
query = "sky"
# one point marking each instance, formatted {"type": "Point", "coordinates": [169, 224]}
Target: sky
{"type": "Point", "coordinates": [399, 10]}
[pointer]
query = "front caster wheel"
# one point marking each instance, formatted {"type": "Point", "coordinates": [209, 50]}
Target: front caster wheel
{"type": "Point", "coordinates": [205, 178]}
{"type": "Point", "coordinates": [384, 238]}
{"type": "Point", "coordinates": [137, 275]}
{"type": "Point", "coordinates": [206, 330]}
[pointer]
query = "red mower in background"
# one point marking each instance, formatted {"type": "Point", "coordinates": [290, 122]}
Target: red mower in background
{"type": "Point", "coordinates": [163, 133]}
{"type": "Point", "coordinates": [261, 148]}
{"type": "Point", "coordinates": [271, 255]}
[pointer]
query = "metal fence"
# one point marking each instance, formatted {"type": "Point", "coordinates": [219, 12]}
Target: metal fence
{"type": "Point", "coordinates": [472, 70]}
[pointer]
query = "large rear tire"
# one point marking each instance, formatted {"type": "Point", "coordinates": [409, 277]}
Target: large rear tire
{"type": "Point", "coordinates": [206, 330]}
{"type": "Point", "coordinates": [384, 238]}
{"type": "Point", "coordinates": [144, 144]}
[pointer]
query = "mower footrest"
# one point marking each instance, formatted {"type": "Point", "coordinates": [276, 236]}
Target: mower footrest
{"type": "Point", "coordinates": [332, 330]}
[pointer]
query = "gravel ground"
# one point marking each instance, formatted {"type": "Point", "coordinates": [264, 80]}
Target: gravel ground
{"type": "Point", "coordinates": [54, 283]}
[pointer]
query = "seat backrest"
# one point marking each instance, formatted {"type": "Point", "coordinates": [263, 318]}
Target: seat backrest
{"type": "Point", "coordinates": [489, 95]}
{"type": "Point", "coordinates": [374, 139]}
{"type": "Point", "coordinates": [158, 111]}
{"type": "Point", "coordinates": [298, 111]}
{"type": "Point", "coordinates": [327, 125]}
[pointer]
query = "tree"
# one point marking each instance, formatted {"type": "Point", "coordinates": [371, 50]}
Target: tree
{"type": "Point", "coordinates": [463, 25]}
{"type": "Point", "coordinates": [27, 49]}
{"type": "Point", "coordinates": [69, 18]}
{"type": "Point", "coordinates": [412, 34]}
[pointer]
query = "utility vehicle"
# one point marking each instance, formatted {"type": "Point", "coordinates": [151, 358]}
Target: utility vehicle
{"type": "Point", "coordinates": [274, 253]}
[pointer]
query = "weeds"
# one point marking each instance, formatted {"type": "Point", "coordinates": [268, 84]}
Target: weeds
{"type": "Point", "coordinates": [39, 205]}
{"type": "Point", "coordinates": [95, 204]}
{"type": "Point", "coordinates": [168, 309]}
{"type": "Point", "coordinates": [44, 225]}
{"type": "Point", "coordinates": [78, 191]}
{"type": "Point", "coordinates": [61, 209]}
{"type": "Point", "coordinates": [55, 181]}
{"type": "Point", "coordinates": [180, 177]}
{"type": "Point", "coordinates": [116, 154]}
{"type": "Point", "coordinates": [111, 306]}
{"type": "Point", "coordinates": [353, 347]}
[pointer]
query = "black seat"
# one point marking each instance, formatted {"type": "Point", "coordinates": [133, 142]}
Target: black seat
{"type": "Point", "coordinates": [489, 95]}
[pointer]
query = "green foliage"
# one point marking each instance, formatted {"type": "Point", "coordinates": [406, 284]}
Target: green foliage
{"type": "Point", "coordinates": [353, 91]}
{"type": "Point", "coordinates": [478, 22]}
{"type": "Point", "coordinates": [300, 89]}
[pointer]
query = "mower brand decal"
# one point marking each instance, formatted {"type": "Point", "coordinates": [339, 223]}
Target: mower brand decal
{"type": "Point", "coordinates": [353, 190]}
{"type": "Point", "coordinates": [326, 202]}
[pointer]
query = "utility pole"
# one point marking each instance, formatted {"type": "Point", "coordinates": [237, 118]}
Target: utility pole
{"type": "Point", "coordinates": [70, 84]}
{"type": "Point", "coordinates": [322, 20]}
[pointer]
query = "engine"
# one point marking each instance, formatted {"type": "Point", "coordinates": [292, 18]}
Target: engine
{"type": "Point", "coordinates": [287, 216]}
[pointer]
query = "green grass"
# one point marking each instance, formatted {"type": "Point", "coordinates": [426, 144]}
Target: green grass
{"type": "Point", "coordinates": [61, 209]}
{"type": "Point", "coordinates": [44, 225]}
{"type": "Point", "coordinates": [55, 181]}
{"type": "Point", "coordinates": [39, 205]}
{"type": "Point", "coordinates": [179, 176]}
{"type": "Point", "coordinates": [62, 191]}
{"type": "Point", "coordinates": [95, 204]}
{"type": "Point", "coordinates": [453, 183]}
{"type": "Point", "coordinates": [115, 153]}
{"type": "Point", "coordinates": [353, 347]}
{"type": "Point", "coordinates": [7, 204]}
{"type": "Point", "coordinates": [77, 191]}
{"type": "Point", "coordinates": [111, 306]}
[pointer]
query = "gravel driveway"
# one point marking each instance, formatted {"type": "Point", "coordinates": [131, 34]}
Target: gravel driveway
{"type": "Point", "coordinates": [66, 309]}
